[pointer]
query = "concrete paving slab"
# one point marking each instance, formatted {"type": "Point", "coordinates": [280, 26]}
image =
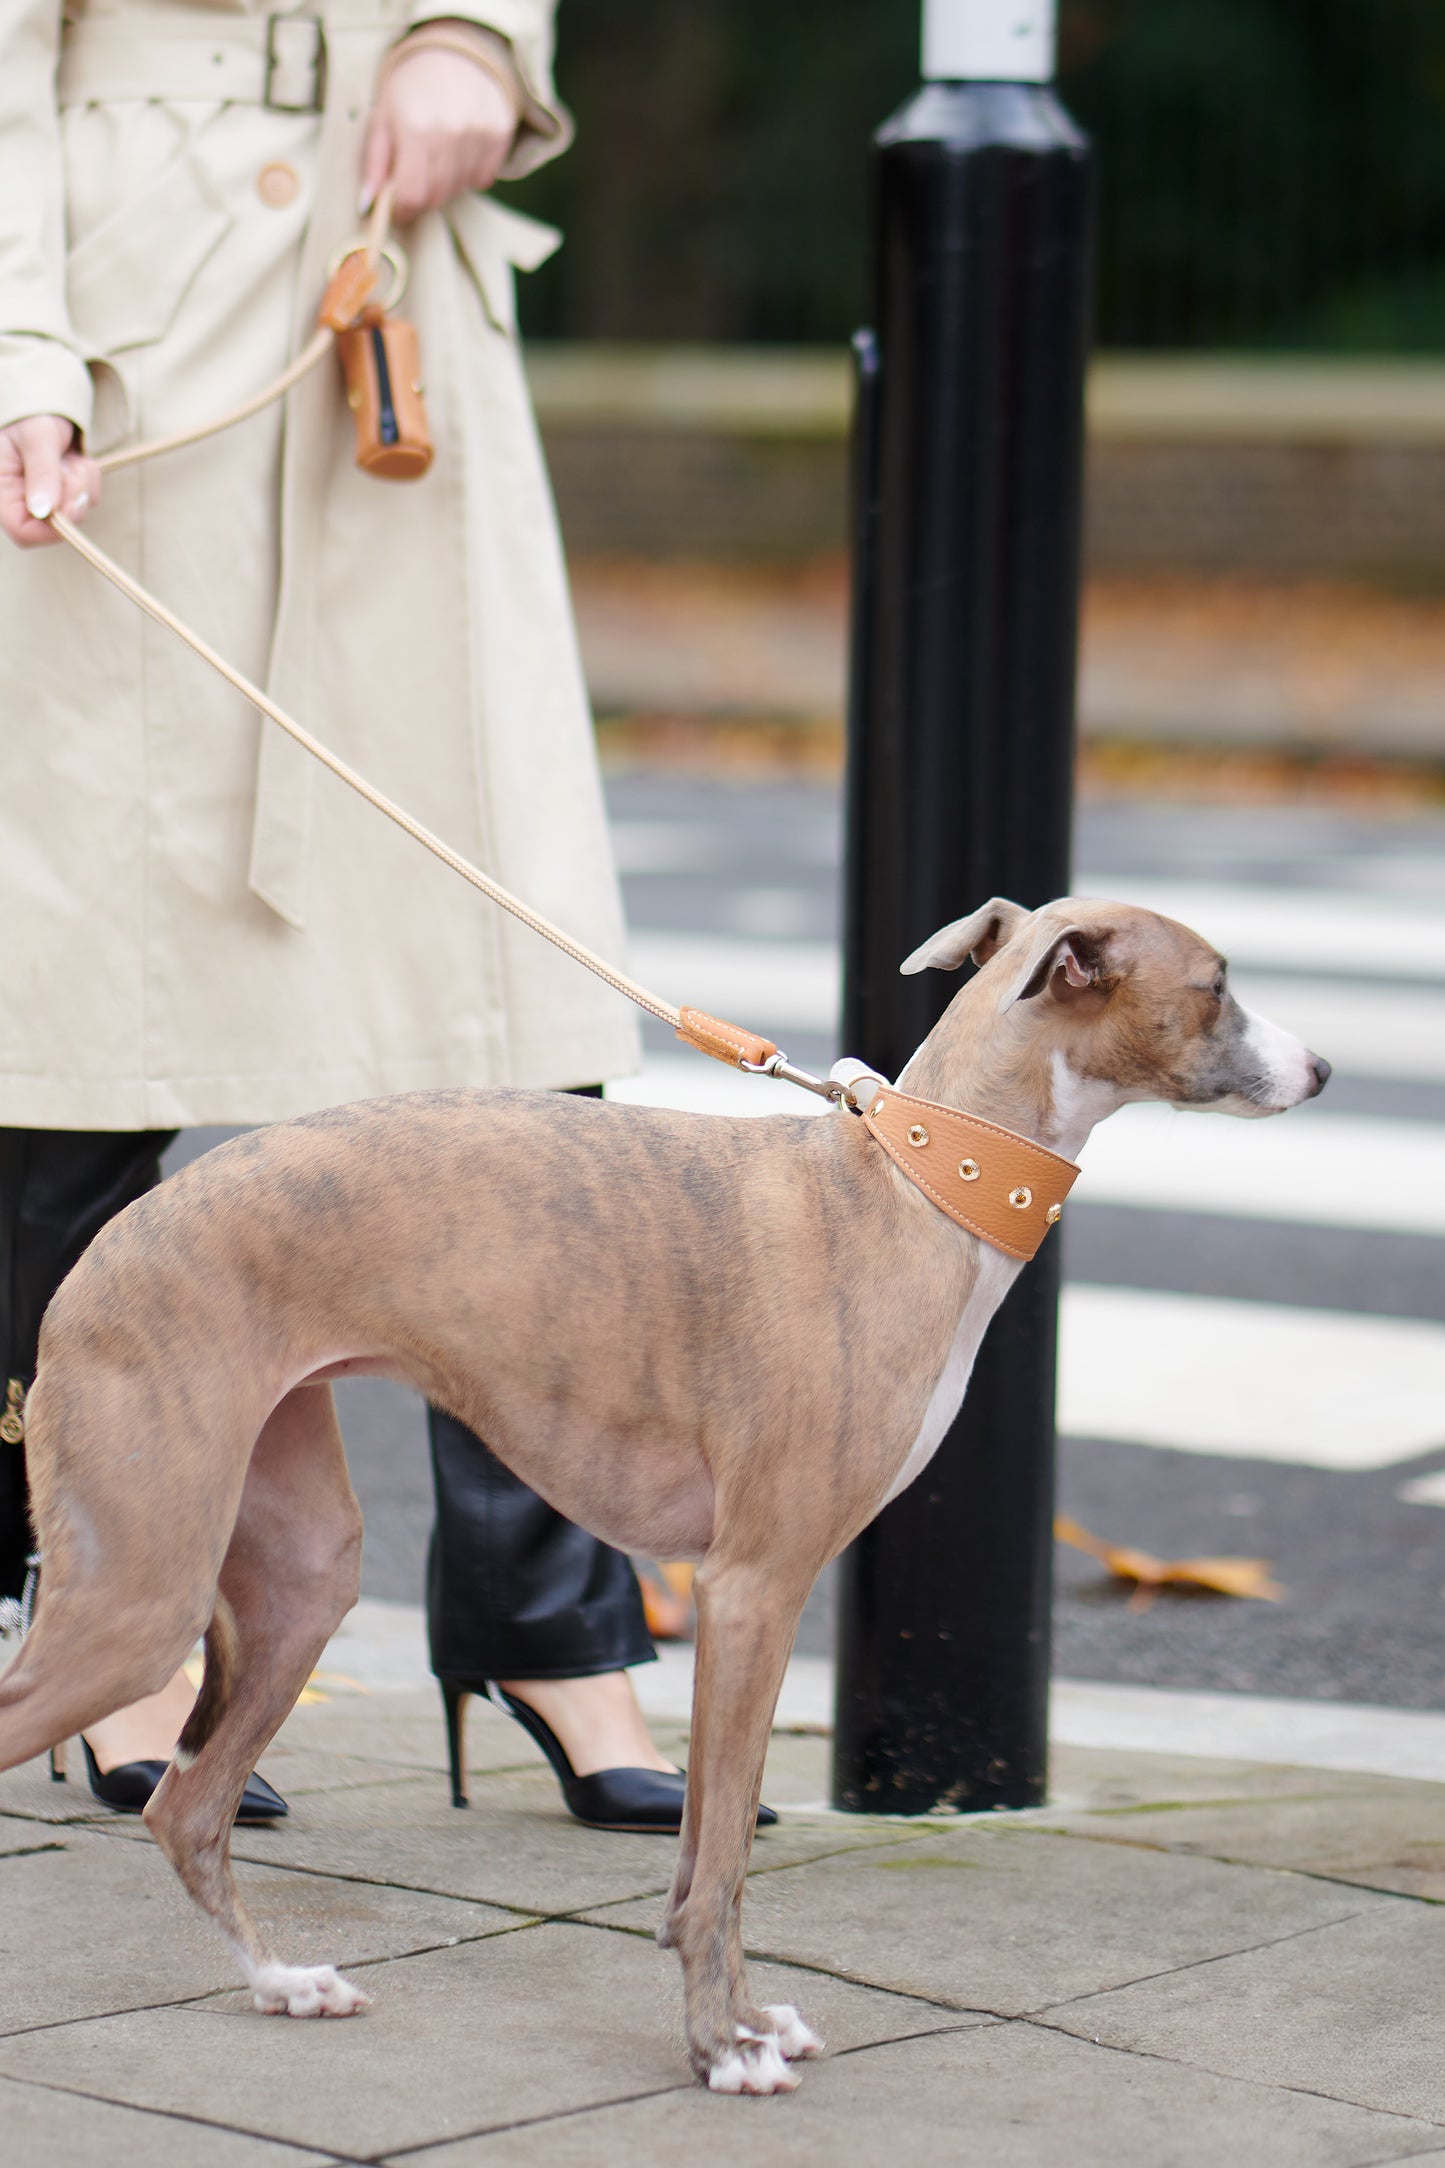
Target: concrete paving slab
{"type": "Point", "coordinates": [30, 1792]}
{"type": "Point", "coordinates": [515, 1846]}
{"type": "Point", "coordinates": [1089, 1780]}
{"type": "Point", "coordinates": [538, 2023]}
{"type": "Point", "coordinates": [1365, 1830]}
{"type": "Point", "coordinates": [1008, 2095]}
{"type": "Point", "coordinates": [96, 1925]}
{"type": "Point", "coordinates": [1353, 2010]}
{"type": "Point", "coordinates": [17, 1835]}
{"type": "Point", "coordinates": [1014, 1920]}
{"type": "Point", "coordinates": [66, 2131]}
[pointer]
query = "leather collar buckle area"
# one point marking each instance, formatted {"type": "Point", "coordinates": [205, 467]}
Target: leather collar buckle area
{"type": "Point", "coordinates": [295, 79]}
{"type": "Point", "coordinates": [1002, 1187]}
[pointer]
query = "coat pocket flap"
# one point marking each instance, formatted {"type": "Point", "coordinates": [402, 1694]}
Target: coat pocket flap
{"type": "Point", "coordinates": [495, 240]}
{"type": "Point", "coordinates": [126, 279]}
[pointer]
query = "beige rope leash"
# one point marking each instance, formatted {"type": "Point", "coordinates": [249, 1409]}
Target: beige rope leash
{"type": "Point", "coordinates": [371, 245]}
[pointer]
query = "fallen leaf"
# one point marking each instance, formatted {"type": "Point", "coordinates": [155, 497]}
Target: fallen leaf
{"type": "Point", "coordinates": [667, 1600]}
{"type": "Point", "coordinates": [1224, 1576]}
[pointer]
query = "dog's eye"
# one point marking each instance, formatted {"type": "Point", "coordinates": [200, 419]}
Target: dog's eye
{"type": "Point", "coordinates": [1217, 989]}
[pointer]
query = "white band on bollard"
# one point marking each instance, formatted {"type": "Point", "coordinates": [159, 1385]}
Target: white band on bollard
{"type": "Point", "coordinates": [988, 41]}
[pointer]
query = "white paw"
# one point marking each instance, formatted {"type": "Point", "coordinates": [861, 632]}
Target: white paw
{"type": "Point", "coordinates": [798, 2041]}
{"type": "Point", "coordinates": [305, 1991]}
{"type": "Point", "coordinates": [755, 2066]}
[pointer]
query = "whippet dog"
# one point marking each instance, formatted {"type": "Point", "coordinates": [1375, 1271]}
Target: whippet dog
{"type": "Point", "coordinates": [730, 1340]}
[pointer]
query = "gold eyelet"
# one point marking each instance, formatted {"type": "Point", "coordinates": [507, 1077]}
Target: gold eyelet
{"type": "Point", "coordinates": [1020, 1198]}
{"type": "Point", "coordinates": [918, 1136]}
{"type": "Point", "coordinates": [1054, 1213]}
{"type": "Point", "coordinates": [968, 1170]}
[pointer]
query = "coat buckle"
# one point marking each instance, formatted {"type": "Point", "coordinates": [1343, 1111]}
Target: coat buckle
{"type": "Point", "coordinates": [295, 64]}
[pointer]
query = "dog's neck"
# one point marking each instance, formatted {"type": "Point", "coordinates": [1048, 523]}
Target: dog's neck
{"type": "Point", "coordinates": [1009, 1069]}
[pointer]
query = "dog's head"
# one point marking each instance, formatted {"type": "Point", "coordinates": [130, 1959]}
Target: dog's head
{"type": "Point", "coordinates": [1131, 1000]}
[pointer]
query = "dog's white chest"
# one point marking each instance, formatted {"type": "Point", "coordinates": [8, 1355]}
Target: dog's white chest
{"type": "Point", "coordinates": [996, 1274]}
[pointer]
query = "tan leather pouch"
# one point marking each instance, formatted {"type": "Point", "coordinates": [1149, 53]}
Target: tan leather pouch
{"type": "Point", "coordinates": [381, 362]}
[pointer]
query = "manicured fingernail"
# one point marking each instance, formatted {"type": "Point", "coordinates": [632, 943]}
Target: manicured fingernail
{"type": "Point", "coordinates": [41, 505]}
{"type": "Point", "coordinates": [82, 500]}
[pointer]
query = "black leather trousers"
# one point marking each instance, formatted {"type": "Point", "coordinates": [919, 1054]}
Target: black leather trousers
{"type": "Point", "coordinates": [58, 1187]}
{"type": "Point", "coordinates": [514, 1591]}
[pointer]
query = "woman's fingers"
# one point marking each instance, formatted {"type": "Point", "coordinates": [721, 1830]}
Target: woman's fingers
{"type": "Point", "coordinates": [32, 477]}
{"type": "Point", "coordinates": [448, 126]}
{"type": "Point", "coordinates": [80, 485]}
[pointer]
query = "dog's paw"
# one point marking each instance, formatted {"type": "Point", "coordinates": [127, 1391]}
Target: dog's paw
{"type": "Point", "coordinates": [755, 2065]}
{"type": "Point", "coordinates": [305, 1991]}
{"type": "Point", "coordinates": [798, 2041]}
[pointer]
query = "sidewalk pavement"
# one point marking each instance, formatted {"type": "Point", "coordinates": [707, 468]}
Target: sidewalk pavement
{"type": "Point", "coordinates": [1185, 1958]}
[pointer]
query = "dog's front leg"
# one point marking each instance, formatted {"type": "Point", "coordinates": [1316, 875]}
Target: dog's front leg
{"type": "Point", "coordinates": [746, 1619]}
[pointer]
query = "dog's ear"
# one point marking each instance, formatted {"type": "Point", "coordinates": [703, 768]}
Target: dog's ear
{"type": "Point", "coordinates": [1068, 960]}
{"type": "Point", "coordinates": [980, 936]}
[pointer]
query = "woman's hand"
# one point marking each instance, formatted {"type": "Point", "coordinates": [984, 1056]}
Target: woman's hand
{"type": "Point", "coordinates": [41, 473]}
{"type": "Point", "coordinates": [441, 124]}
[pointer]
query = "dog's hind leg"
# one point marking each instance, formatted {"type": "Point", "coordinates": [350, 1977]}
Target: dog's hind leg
{"type": "Point", "coordinates": [289, 1578]}
{"type": "Point", "coordinates": [746, 1619]}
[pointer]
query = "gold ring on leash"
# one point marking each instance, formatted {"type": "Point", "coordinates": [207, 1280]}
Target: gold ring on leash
{"type": "Point", "coordinates": [389, 254]}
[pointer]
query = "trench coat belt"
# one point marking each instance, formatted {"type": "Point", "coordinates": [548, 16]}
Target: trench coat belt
{"type": "Point", "coordinates": [196, 54]}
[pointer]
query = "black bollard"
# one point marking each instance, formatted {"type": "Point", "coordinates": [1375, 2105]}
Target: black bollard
{"type": "Point", "coordinates": [968, 456]}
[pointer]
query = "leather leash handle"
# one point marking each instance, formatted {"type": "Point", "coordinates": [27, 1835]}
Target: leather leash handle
{"type": "Point", "coordinates": [726, 1043]}
{"type": "Point", "coordinates": [348, 290]}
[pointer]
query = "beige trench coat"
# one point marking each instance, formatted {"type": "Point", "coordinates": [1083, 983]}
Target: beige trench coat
{"type": "Point", "coordinates": [196, 924]}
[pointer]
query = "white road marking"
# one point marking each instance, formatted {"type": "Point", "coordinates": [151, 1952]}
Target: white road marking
{"type": "Point", "coordinates": [1249, 1380]}
{"type": "Point", "coordinates": [1360, 1030]}
{"type": "Point", "coordinates": [1324, 929]}
{"type": "Point", "coordinates": [1325, 1170]}
{"type": "Point", "coordinates": [1423, 1490]}
{"type": "Point", "coordinates": [764, 984]}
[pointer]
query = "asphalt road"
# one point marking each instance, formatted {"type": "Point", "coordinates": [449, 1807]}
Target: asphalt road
{"type": "Point", "coordinates": [747, 874]}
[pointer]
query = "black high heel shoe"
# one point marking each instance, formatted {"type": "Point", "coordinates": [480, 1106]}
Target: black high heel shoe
{"type": "Point", "coordinates": [645, 1802]}
{"type": "Point", "coordinates": [128, 1788]}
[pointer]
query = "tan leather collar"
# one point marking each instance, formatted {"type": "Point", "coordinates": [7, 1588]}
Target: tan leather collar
{"type": "Point", "coordinates": [1001, 1187]}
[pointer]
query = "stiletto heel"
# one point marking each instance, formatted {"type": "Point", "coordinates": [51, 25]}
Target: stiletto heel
{"type": "Point", "coordinates": [454, 1696]}
{"type": "Point", "coordinates": [57, 1763]}
{"type": "Point", "coordinates": [128, 1789]}
{"type": "Point", "coordinates": [644, 1802]}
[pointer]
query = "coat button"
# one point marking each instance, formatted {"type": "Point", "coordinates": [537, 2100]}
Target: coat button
{"type": "Point", "coordinates": [278, 184]}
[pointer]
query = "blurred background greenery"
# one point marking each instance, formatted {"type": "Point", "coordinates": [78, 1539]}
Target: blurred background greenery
{"type": "Point", "coordinates": [1271, 172]}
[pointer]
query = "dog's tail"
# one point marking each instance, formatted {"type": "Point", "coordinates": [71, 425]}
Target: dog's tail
{"type": "Point", "coordinates": [217, 1684]}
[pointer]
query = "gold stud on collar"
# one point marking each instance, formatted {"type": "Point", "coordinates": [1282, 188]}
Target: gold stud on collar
{"type": "Point", "coordinates": [1054, 1213]}
{"type": "Point", "coordinates": [1021, 1198]}
{"type": "Point", "coordinates": [968, 1170]}
{"type": "Point", "coordinates": [918, 1136]}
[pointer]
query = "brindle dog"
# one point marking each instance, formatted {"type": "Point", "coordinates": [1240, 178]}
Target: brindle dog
{"type": "Point", "coordinates": [724, 1339]}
